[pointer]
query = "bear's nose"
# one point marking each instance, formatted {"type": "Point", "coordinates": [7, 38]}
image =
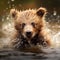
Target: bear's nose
{"type": "Point", "coordinates": [28, 34]}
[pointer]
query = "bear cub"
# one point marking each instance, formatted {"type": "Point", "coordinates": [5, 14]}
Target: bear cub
{"type": "Point", "coordinates": [30, 26]}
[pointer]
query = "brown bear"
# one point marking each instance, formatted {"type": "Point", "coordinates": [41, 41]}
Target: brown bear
{"type": "Point", "coordinates": [30, 26]}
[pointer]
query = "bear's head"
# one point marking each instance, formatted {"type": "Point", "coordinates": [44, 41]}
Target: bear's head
{"type": "Point", "coordinates": [29, 22]}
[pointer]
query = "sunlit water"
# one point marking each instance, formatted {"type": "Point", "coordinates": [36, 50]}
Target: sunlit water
{"type": "Point", "coordinates": [49, 53]}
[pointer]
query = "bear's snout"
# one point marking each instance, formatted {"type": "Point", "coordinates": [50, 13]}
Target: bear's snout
{"type": "Point", "coordinates": [29, 34]}
{"type": "Point", "coordinates": [28, 31]}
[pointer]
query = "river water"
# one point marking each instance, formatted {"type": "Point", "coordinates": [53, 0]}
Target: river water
{"type": "Point", "coordinates": [54, 54]}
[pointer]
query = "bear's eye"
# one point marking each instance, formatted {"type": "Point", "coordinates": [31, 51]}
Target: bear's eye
{"type": "Point", "coordinates": [23, 24]}
{"type": "Point", "coordinates": [33, 24]}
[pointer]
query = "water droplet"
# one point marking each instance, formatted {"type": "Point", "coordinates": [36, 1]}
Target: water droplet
{"type": "Point", "coordinates": [8, 2]}
{"type": "Point", "coordinates": [12, 0]}
{"type": "Point", "coordinates": [2, 20]}
{"type": "Point", "coordinates": [54, 13]}
{"type": "Point", "coordinates": [7, 18]}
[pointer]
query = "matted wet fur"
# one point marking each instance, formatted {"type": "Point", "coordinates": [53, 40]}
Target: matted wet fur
{"type": "Point", "coordinates": [30, 28]}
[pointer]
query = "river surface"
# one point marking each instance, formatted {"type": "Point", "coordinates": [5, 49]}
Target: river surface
{"type": "Point", "coordinates": [54, 54]}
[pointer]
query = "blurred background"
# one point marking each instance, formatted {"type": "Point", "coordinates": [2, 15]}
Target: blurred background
{"type": "Point", "coordinates": [53, 7]}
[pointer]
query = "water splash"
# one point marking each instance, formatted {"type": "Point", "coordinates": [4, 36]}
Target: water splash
{"type": "Point", "coordinates": [12, 0]}
{"type": "Point", "coordinates": [7, 30]}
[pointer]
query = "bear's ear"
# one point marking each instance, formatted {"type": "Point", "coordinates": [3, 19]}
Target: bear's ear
{"type": "Point", "coordinates": [41, 11]}
{"type": "Point", "coordinates": [13, 13]}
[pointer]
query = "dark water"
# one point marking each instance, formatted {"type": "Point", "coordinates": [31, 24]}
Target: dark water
{"type": "Point", "coordinates": [18, 55]}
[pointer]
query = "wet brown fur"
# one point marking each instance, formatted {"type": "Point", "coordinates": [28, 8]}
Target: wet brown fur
{"type": "Point", "coordinates": [29, 16]}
